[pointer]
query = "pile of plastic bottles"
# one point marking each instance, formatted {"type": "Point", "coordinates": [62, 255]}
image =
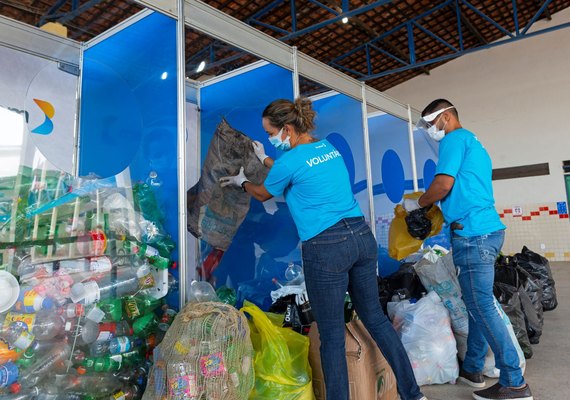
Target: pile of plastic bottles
{"type": "Point", "coordinates": [80, 321]}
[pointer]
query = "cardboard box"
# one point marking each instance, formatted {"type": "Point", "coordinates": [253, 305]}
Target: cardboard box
{"type": "Point", "coordinates": [369, 374]}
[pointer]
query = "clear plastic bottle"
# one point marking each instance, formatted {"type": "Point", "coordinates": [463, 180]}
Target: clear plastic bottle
{"type": "Point", "coordinates": [92, 291]}
{"type": "Point", "coordinates": [47, 325]}
{"type": "Point", "coordinates": [201, 291]}
{"type": "Point", "coordinates": [92, 331]}
{"type": "Point", "coordinates": [45, 366]}
{"type": "Point", "coordinates": [294, 274]}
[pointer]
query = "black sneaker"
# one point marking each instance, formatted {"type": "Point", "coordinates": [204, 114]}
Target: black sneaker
{"type": "Point", "coordinates": [498, 392]}
{"type": "Point", "coordinates": [473, 379]}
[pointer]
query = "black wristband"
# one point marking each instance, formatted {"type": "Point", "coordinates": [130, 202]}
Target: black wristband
{"type": "Point", "coordinates": [243, 185]}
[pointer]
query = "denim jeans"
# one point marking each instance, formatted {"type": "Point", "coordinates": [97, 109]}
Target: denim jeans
{"type": "Point", "coordinates": [342, 258]}
{"type": "Point", "coordinates": [474, 257]}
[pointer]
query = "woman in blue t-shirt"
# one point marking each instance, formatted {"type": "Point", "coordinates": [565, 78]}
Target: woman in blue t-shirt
{"type": "Point", "coordinates": [339, 250]}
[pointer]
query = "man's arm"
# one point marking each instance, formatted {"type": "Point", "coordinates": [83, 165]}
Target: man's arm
{"type": "Point", "coordinates": [259, 192]}
{"type": "Point", "coordinates": [438, 189]}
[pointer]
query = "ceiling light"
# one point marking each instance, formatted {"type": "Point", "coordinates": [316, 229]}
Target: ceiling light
{"type": "Point", "coordinates": [201, 66]}
{"type": "Point", "coordinates": [164, 75]}
{"type": "Point", "coordinates": [345, 20]}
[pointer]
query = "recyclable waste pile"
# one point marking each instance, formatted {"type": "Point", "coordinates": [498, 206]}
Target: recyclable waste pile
{"type": "Point", "coordinates": [83, 276]}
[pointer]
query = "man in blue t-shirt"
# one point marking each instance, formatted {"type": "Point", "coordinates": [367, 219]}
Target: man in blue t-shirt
{"type": "Point", "coordinates": [463, 185]}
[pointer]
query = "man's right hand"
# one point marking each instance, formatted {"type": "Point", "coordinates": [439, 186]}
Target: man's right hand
{"type": "Point", "coordinates": [259, 150]}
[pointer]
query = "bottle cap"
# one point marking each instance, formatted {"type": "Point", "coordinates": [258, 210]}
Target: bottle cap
{"type": "Point", "coordinates": [47, 304]}
{"type": "Point", "coordinates": [81, 370]}
{"type": "Point", "coordinates": [15, 388]}
{"type": "Point", "coordinates": [9, 291]}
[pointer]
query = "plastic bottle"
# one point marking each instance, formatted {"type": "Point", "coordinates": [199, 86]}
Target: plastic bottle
{"type": "Point", "coordinates": [44, 325]}
{"type": "Point", "coordinates": [17, 336]}
{"type": "Point", "coordinates": [29, 301]}
{"type": "Point", "coordinates": [92, 291]}
{"type": "Point", "coordinates": [294, 274]}
{"type": "Point", "coordinates": [130, 392]}
{"type": "Point", "coordinates": [112, 309]}
{"type": "Point", "coordinates": [8, 374]}
{"type": "Point", "coordinates": [44, 366]}
{"type": "Point", "coordinates": [92, 331]}
{"type": "Point", "coordinates": [71, 310]}
{"type": "Point", "coordinates": [201, 291]}
{"type": "Point", "coordinates": [136, 306]}
{"type": "Point", "coordinates": [124, 344]}
{"type": "Point", "coordinates": [145, 325]}
{"type": "Point", "coordinates": [100, 364]}
{"type": "Point", "coordinates": [47, 325]}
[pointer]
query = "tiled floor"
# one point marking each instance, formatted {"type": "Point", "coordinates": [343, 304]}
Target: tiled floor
{"type": "Point", "coordinates": [547, 371]}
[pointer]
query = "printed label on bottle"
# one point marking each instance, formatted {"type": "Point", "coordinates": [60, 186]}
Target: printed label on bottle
{"type": "Point", "coordinates": [27, 319]}
{"type": "Point", "coordinates": [132, 308]}
{"type": "Point", "coordinates": [100, 264]}
{"type": "Point", "coordinates": [104, 336]}
{"type": "Point", "coordinates": [24, 340]}
{"type": "Point", "coordinates": [119, 396]}
{"type": "Point", "coordinates": [8, 374]}
{"type": "Point", "coordinates": [92, 293]}
{"type": "Point", "coordinates": [123, 344]}
{"type": "Point", "coordinates": [150, 251]}
{"type": "Point", "coordinates": [147, 281]}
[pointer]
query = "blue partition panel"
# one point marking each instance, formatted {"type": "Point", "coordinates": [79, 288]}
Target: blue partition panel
{"type": "Point", "coordinates": [129, 110]}
{"type": "Point", "coordinates": [339, 119]}
{"type": "Point", "coordinates": [391, 176]}
{"type": "Point", "coordinates": [267, 239]}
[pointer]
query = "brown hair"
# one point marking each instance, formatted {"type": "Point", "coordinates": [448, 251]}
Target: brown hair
{"type": "Point", "coordinates": [299, 113]}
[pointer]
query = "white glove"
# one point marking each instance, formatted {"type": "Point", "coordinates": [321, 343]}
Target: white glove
{"type": "Point", "coordinates": [411, 205]}
{"type": "Point", "coordinates": [259, 150]}
{"type": "Point", "coordinates": [236, 180]}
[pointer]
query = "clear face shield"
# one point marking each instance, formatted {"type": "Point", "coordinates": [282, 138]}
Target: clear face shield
{"type": "Point", "coordinates": [426, 121]}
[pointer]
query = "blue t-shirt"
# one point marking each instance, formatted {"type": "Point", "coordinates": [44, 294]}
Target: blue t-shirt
{"type": "Point", "coordinates": [314, 180]}
{"type": "Point", "coordinates": [470, 202]}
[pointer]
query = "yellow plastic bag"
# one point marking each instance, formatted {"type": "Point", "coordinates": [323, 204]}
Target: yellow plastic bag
{"type": "Point", "coordinates": [281, 363]}
{"type": "Point", "coordinates": [400, 243]}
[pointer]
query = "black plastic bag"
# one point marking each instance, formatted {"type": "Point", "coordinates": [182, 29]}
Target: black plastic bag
{"type": "Point", "coordinates": [531, 302]}
{"type": "Point", "coordinates": [509, 297]}
{"type": "Point", "coordinates": [419, 225]}
{"type": "Point", "coordinates": [530, 293]}
{"type": "Point", "coordinates": [406, 278]}
{"type": "Point", "coordinates": [539, 268]}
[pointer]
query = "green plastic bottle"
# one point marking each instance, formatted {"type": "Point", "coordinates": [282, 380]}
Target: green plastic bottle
{"type": "Point", "coordinates": [113, 309]}
{"type": "Point", "coordinates": [136, 306]}
{"type": "Point", "coordinates": [145, 325]}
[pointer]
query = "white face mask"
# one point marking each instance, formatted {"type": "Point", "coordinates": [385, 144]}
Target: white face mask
{"type": "Point", "coordinates": [435, 134]}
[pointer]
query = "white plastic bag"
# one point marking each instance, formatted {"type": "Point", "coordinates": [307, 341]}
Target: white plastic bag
{"type": "Point", "coordinates": [425, 331]}
{"type": "Point", "coordinates": [438, 274]}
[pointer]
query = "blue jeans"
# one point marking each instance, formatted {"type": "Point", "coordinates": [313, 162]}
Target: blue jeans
{"type": "Point", "coordinates": [474, 257]}
{"type": "Point", "coordinates": [342, 258]}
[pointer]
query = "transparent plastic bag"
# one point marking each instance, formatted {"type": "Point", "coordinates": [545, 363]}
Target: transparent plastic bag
{"type": "Point", "coordinates": [425, 330]}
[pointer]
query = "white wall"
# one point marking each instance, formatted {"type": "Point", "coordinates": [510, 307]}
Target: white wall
{"type": "Point", "coordinates": [516, 99]}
